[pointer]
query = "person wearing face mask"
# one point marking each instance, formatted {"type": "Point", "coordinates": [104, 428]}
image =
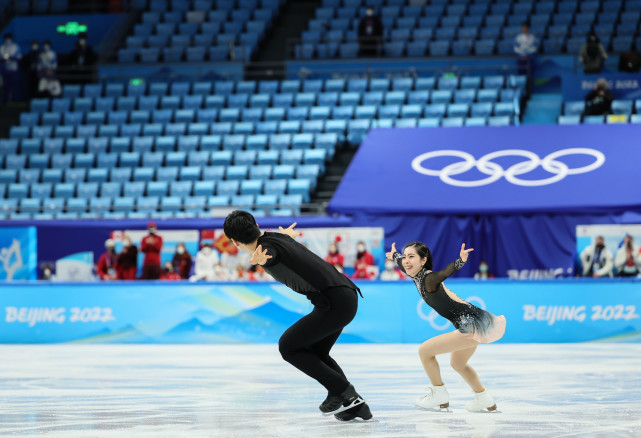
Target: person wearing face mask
{"type": "Point", "coordinates": [49, 85]}
{"type": "Point", "coordinates": [151, 246]}
{"type": "Point", "coordinates": [473, 326]}
{"type": "Point", "coordinates": [47, 273]}
{"type": "Point", "coordinates": [597, 260]}
{"type": "Point", "coordinates": [370, 32]}
{"type": "Point", "coordinates": [206, 260]}
{"type": "Point", "coordinates": [82, 60]}
{"type": "Point", "coordinates": [628, 259]}
{"type": "Point", "coordinates": [30, 65]}
{"type": "Point", "coordinates": [168, 273]}
{"type": "Point", "coordinates": [391, 272]}
{"type": "Point", "coordinates": [108, 262]}
{"type": "Point", "coordinates": [182, 261]}
{"type": "Point", "coordinates": [10, 56]}
{"type": "Point", "coordinates": [333, 256]}
{"type": "Point", "coordinates": [484, 271]}
{"type": "Point", "coordinates": [592, 54]}
{"type": "Point", "coordinates": [127, 260]}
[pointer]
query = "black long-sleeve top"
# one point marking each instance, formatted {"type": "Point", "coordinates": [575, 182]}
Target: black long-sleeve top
{"type": "Point", "coordinates": [430, 286]}
{"type": "Point", "coordinates": [298, 268]}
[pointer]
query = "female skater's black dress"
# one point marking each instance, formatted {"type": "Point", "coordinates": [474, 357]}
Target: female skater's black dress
{"type": "Point", "coordinates": [469, 320]}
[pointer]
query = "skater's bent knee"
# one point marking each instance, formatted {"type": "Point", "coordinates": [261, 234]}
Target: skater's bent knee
{"type": "Point", "coordinates": [424, 352]}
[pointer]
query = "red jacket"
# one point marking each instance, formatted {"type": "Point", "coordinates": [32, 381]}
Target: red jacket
{"type": "Point", "coordinates": [335, 259]}
{"type": "Point", "coordinates": [151, 246]}
{"type": "Point", "coordinates": [106, 263]}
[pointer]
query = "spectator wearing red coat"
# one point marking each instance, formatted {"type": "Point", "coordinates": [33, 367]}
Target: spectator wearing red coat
{"type": "Point", "coordinates": [168, 273]}
{"type": "Point", "coordinates": [333, 256]}
{"type": "Point", "coordinates": [182, 261]}
{"type": "Point", "coordinates": [127, 265]}
{"type": "Point", "coordinates": [151, 246]}
{"type": "Point", "coordinates": [107, 263]}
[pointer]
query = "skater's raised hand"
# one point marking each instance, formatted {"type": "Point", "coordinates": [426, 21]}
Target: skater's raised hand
{"type": "Point", "coordinates": [390, 255]}
{"type": "Point", "coordinates": [260, 256]}
{"type": "Point", "coordinates": [464, 252]}
{"type": "Point", "coordinates": [290, 231]}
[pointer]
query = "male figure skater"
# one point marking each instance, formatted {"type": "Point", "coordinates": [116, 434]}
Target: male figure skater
{"type": "Point", "coordinates": [307, 343]}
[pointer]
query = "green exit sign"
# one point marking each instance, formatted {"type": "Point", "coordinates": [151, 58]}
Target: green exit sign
{"type": "Point", "coordinates": [72, 28]}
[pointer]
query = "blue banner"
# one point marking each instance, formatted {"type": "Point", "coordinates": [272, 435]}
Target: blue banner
{"type": "Point", "coordinates": [485, 170]}
{"type": "Point", "coordinates": [391, 312]}
{"type": "Point", "coordinates": [622, 85]}
{"type": "Point", "coordinates": [18, 253]}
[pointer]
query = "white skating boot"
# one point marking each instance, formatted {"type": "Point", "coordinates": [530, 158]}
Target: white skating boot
{"type": "Point", "coordinates": [483, 401]}
{"type": "Point", "coordinates": [437, 396]}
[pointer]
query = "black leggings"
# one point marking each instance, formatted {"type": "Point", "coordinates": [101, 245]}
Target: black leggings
{"type": "Point", "coordinates": [306, 344]}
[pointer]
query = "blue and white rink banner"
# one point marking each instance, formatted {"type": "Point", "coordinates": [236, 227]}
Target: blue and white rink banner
{"type": "Point", "coordinates": [391, 312]}
{"type": "Point", "coordinates": [18, 253]}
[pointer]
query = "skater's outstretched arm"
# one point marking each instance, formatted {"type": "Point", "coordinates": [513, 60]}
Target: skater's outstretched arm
{"type": "Point", "coordinates": [433, 279]}
{"type": "Point", "coordinates": [290, 231]}
{"type": "Point", "coordinates": [263, 256]}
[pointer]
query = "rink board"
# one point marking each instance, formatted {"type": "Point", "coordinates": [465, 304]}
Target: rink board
{"type": "Point", "coordinates": [391, 312]}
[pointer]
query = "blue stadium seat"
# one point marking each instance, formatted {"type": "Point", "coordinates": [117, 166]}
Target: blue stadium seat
{"type": "Point", "coordinates": [204, 188]}
{"type": "Point", "coordinates": [213, 173]}
{"type": "Point", "coordinates": [97, 175]}
{"type": "Point", "coordinates": [62, 190]}
{"type": "Point", "coordinates": [45, 189]}
{"type": "Point", "coordinates": [569, 120]}
{"type": "Point", "coordinates": [29, 176]}
{"type": "Point", "coordinates": [500, 121]}
{"type": "Point", "coordinates": [75, 175]}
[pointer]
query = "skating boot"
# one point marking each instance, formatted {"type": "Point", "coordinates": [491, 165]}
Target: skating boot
{"type": "Point", "coordinates": [483, 401]}
{"type": "Point", "coordinates": [335, 404]}
{"type": "Point", "coordinates": [361, 411]}
{"type": "Point", "coordinates": [437, 396]}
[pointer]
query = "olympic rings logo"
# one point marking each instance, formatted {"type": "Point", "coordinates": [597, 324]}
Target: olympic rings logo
{"type": "Point", "coordinates": [432, 315]}
{"type": "Point", "coordinates": [485, 165]}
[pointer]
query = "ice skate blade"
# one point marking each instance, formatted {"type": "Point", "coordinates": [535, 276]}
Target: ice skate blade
{"type": "Point", "coordinates": [357, 402]}
{"type": "Point", "coordinates": [490, 410]}
{"type": "Point", "coordinates": [359, 420]}
{"type": "Point", "coordinates": [436, 409]}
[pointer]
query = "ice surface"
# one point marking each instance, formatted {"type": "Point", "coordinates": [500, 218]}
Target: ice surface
{"type": "Point", "coordinates": [552, 390]}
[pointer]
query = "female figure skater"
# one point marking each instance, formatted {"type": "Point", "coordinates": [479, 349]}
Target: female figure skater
{"type": "Point", "coordinates": [473, 326]}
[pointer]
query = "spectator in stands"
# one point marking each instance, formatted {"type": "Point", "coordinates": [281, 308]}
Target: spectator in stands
{"type": "Point", "coordinates": [592, 54]}
{"type": "Point", "coordinates": [221, 273]}
{"type": "Point", "coordinates": [597, 260]}
{"type": "Point", "coordinates": [108, 262]}
{"type": "Point", "coordinates": [83, 59]}
{"type": "Point", "coordinates": [49, 84]}
{"type": "Point", "coordinates": [240, 274]}
{"type": "Point", "coordinates": [47, 273]}
{"type": "Point", "coordinates": [525, 46]}
{"type": "Point", "coordinates": [151, 245]}
{"type": "Point", "coordinates": [30, 65]}
{"type": "Point", "coordinates": [370, 33]}
{"type": "Point", "coordinates": [10, 53]}
{"type": "Point", "coordinates": [182, 261]}
{"type": "Point", "coordinates": [168, 272]}
{"type": "Point", "coordinates": [206, 260]}
{"type": "Point", "coordinates": [362, 255]}
{"type": "Point", "coordinates": [334, 256]}
{"type": "Point", "coordinates": [483, 272]}
{"type": "Point", "coordinates": [628, 259]}
{"type": "Point", "coordinates": [391, 272]}
{"type": "Point", "coordinates": [127, 265]}
{"type": "Point", "coordinates": [598, 102]}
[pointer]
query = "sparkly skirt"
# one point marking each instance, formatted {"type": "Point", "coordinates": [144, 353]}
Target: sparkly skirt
{"type": "Point", "coordinates": [483, 327]}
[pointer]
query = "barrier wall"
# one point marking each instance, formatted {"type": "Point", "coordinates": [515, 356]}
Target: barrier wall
{"type": "Point", "coordinates": [391, 312]}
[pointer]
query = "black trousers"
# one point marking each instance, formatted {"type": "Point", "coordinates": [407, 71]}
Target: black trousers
{"type": "Point", "coordinates": [307, 343]}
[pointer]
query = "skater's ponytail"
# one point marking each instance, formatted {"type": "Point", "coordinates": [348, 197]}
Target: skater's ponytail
{"type": "Point", "coordinates": [423, 252]}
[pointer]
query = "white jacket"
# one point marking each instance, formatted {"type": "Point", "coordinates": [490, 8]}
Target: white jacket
{"type": "Point", "coordinates": [205, 267]}
{"type": "Point", "coordinates": [620, 258]}
{"type": "Point", "coordinates": [606, 261]}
